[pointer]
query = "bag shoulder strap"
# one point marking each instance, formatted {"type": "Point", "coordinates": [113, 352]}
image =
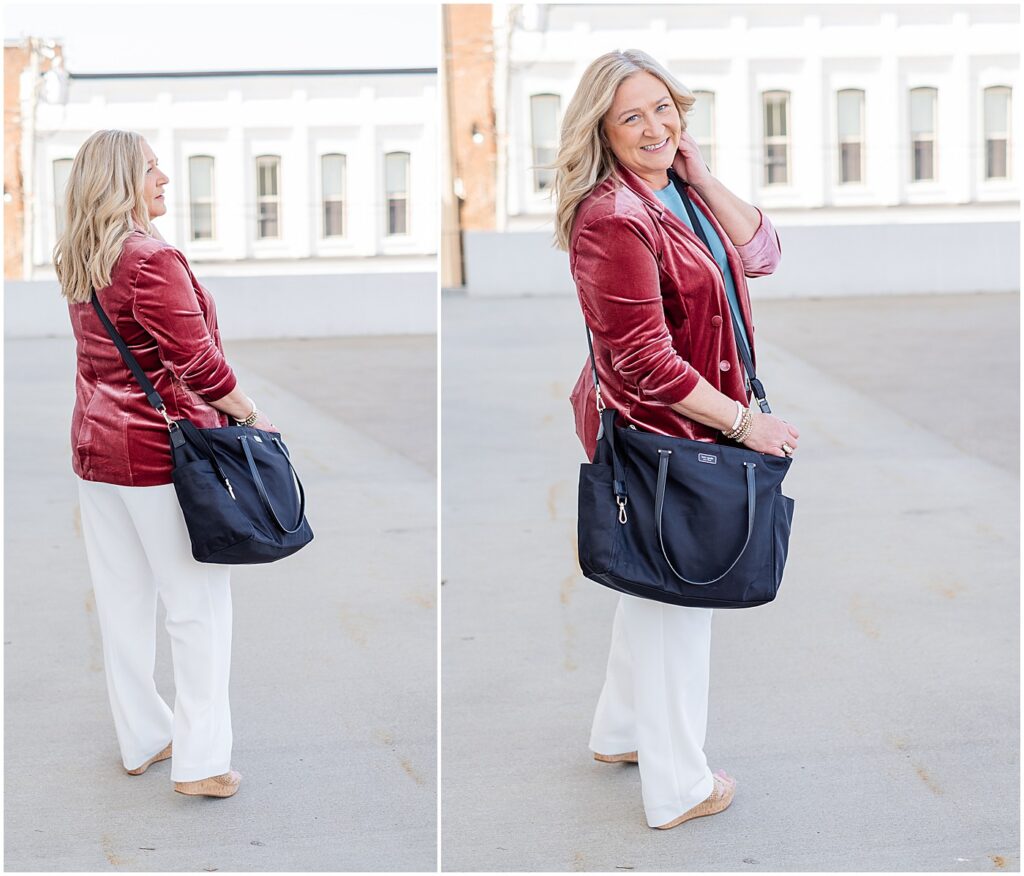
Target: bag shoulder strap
{"type": "Point", "coordinates": [738, 329]}
{"type": "Point", "coordinates": [152, 396]}
{"type": "Point", "coordinates": [741, 348]}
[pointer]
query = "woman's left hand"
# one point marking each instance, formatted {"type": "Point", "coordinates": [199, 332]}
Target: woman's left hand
{"type": "Point", "coordinates": [689, 163]}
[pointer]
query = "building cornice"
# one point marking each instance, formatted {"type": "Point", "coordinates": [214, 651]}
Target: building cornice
{"type": "Point", "coordinates": [227, 74]}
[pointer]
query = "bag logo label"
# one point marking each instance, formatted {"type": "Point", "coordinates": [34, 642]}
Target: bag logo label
{"type": "Point", "coordinates": [707, 457]}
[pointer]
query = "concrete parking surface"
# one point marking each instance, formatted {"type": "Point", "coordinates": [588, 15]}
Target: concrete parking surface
{"type": "Point", "coordinates": [333, 687]}
{"type": "Point", "coordinates": [870, 714]}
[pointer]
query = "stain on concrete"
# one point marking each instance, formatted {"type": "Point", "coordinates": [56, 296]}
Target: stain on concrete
{"type": "Point", "coordinates": [925, 777]}
{"type": "Point", "coordinates": [998, 861]}
{"type": "Point", "coordinates": [567, 589]}
{"type": "Point", "coordinates": [950, 588]}
{"type": "Point", "coordinates": [578, 862]}
{"type": "Point", "coordinates": [569, 633]}
{"type": "Point", "coordinates": [427, 601]}
{"type": "Point", "coordinates": [864, 617]}
{"type": "Point", "coordinates": [555, 492]}
{"type": "Point", "coordinates": [559, 390]}
{"type": "Point", "coordinates": [387, 739]}
{"type": "Point", "coordinates": [76, 520]}
{"type": "Point", "coordinates": [355, 625]}
{"type": "Point", "coordinates": [114, 859]}
{"type": "Point", "coordinates": [410, 772]}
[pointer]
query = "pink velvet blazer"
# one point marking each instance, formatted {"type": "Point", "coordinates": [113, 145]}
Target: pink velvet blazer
{"type": "Point", "coordinates": [655, 300]}
{"type": "Point", "coordinates": [169, 323]}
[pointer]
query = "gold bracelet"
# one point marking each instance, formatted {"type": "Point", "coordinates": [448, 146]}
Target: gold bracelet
{"type": "Point", "coordinates": [250, 420]}
{"type": "Point", "coordinates": [746, 422]}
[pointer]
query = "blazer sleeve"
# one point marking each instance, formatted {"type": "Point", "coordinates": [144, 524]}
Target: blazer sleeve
{"type": "Point", "coordinates": [762, 253]}
{"type": "Point", "coordinates": [617, 278]}
{"type": "Point", "coordinates": [166, 306]}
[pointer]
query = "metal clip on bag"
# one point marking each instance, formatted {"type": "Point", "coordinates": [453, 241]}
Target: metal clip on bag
{"type": "Point", "coordinates": [240, 495]}
{"type": "Point", "coordinates": [680, 521]}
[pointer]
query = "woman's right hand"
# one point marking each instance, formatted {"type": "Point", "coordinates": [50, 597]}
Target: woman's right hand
{"type": "Point", "coordinates": [263, 422]}
{"type": "Point", "coordinates": [768, 433]}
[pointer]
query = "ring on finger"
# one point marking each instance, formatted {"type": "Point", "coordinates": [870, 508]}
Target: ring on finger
{"type": "Point", "coordinates": [787, 449]}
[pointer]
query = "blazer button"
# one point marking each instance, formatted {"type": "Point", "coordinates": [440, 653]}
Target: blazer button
{"type": "Point", "coordinates": [725, 365]}
{"type": "Point", "coordinates": [716, 320]}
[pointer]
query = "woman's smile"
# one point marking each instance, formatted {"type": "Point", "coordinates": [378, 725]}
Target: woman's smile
{"type": "Point", "coordinates": [656, 147]}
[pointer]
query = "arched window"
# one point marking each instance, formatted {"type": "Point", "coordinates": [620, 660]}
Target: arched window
{"type": "Point", "coordinates": [850, 133]}
{"type": "Point", "coordinates": [200, 196]}
{"type": "Point", "coordinates": [332, 193]}
{"type": "Point", "coordinates": [776, 137]}
{"type": "Point", "coordinates": [396, 181]}
{"type": "Point", "coordinates": [997, 132]}
{"type": "Point", "coordinates": [922, 132]}
{"type": "Point", "coordinates": [268, 196]}
{"type": "Point", "coordinates": [544, 109]}
{"type": "Point", "coordinates": [700, 124]}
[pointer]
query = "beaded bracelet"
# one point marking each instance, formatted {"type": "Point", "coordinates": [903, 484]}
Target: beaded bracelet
{"type": "Point", "coordinates": [743, 430]}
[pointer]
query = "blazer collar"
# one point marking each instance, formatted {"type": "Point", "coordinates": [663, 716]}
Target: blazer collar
{"type": "Point", "coordinates": [640, 188]}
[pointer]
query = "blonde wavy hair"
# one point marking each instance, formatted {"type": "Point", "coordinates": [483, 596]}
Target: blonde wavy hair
{"type": "Point", "coordinates": [585, 160]}
{"type": "Point", "coordinates": [105, 203]}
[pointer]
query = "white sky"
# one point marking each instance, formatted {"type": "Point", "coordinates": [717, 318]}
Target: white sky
{"type": "Point", "coordinates": [149, 36]}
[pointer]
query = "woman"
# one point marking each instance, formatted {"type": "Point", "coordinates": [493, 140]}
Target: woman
{"type": "Point", "coordinates": [135, 536]}
{"type": "Point", "coordinates": [658, 304]}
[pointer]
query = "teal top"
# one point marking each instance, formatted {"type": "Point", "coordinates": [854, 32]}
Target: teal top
{"type": "Point", "coordinates": [670, 198]}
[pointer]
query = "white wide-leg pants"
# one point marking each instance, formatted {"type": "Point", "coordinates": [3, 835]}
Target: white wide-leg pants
{"type": "Point", "coordinates": [655, 702]}
{"type": "Point", "coordinates": [138, 549]}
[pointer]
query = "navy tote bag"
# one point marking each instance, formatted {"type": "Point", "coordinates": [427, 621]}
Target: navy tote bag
{"type": "Point", "coordinates": [241, 498]}
{"type": "Point", "coordinates": [679, 521]}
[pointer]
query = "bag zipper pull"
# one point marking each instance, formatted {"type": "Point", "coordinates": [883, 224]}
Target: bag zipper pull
{"type": "Point", "coordinates": [227, 484]}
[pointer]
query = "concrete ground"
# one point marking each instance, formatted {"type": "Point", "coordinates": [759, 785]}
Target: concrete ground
{"type": "Point", "coordinates": [870, 714]}
{"type": "Point", "coordinates": [333, 687]}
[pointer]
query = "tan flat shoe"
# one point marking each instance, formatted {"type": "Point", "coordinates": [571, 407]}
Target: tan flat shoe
{"type": "Point", "coordinates": [163, 755]}
{"type": "Point", "coordinates": [721, 797]}
{"type": "Point", "coordinates": [224, 785]}
{"type": "Point", "coordinates": [628, 757]}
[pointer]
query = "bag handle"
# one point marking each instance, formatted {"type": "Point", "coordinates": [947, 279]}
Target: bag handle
{"type": "Point", "coordinates": [263, 491]}
{"type": "Point", "coordinates": [659, 507]}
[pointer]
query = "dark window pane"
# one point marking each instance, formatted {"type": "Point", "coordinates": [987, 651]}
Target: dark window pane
{"type": "Point", "coordinates": [923, 155]}
{"type": "Point", "coordinates": [268, 220]}
{"type": "Point", "coordinates": [776, 163]}
{"type": "Point", "coordinates": [543, 177]}
{"type": "Point", "coordinates": [995, 159]}
{"type": "Point", "coordinates": [334, 219]}
{"type": "Point", "coordinates": [850, 162]}
{"type": "Point", "coordinates": [202, 221]}
{"type": "Point", "coordinates": [397, 216]}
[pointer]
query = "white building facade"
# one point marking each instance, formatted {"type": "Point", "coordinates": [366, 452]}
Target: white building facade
{"type": "Point", "coordinates": [270, 172]}
{"type": "Point", "coordinates": [881, 116]}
